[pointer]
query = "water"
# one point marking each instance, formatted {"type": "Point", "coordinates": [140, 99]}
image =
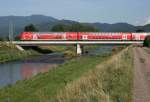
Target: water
{"type": "Point", "coordinates": [24, 69]}
{"type": "Point", "coordinates": [12, 71]}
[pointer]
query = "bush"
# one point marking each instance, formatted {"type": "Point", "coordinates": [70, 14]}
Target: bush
{"type": "Point", "coordinates": [69, 54]}
{"type": "Point", "coordinates": [147, 41]}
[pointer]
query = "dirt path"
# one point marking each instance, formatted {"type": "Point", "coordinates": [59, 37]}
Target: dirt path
{"type": "Point", "coordinates": [141, 87]}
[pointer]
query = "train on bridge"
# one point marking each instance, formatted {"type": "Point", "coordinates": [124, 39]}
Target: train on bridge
{"type": "Point", "coordinates": [89, 36]}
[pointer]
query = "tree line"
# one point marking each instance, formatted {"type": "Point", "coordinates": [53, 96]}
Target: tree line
{"type": "Point", "coordinates": [77, 27]}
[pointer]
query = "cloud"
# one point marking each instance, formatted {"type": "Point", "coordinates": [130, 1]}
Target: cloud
{"type": "Point", "coordinates": [147, 21]}
{"type": "Point", "coordinates": [143, 22]}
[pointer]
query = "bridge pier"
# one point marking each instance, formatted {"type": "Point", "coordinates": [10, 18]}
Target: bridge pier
{"type": "Point", "coordinates": [79, 49]}
{"type": "Point", "coordinates": [19, 48]}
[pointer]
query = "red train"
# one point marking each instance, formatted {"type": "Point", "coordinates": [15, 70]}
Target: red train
{"type": "Point", "coordinates": [81, 36]}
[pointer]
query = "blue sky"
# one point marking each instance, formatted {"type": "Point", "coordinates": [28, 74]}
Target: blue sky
{"type": "Point", "coordinates": [106, 11]}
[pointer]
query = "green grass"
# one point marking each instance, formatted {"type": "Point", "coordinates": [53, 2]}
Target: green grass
{"type": "Point", "coordinates": [9, 52]}
{"type": "Point", "coordinates": [44, 86]}
{"type": "Point", "coordinates": [110, 81]}
{"type": "Point", "coordinates": [54, 48]}
{"type": "Point", "coordinates": [68, 50]}
{"type": "Point", "coordinates": [91, 47]}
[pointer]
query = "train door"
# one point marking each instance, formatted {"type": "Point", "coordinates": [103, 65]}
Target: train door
{"type": "Point", "coordinates": [64, 36]}
{"type": "Point", "coordinates": [137, 37]}
{"type": "Point", "coordinates": [124, 37]}
{"type": "Point", "coordinates": [84, 37]}
{"type": "Point", "coordinates": [35, 37]}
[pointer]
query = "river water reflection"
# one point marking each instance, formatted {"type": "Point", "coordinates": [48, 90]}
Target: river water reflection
{"type": "Point", "coordinates": [18, 70]}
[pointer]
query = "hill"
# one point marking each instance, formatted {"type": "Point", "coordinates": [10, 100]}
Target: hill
{"type": "Point", "coordinates": [45, 23]}
{"type": "Point", "coordinates": [20, 22]}
{"type": "Point", "coordinates": [117, 27]}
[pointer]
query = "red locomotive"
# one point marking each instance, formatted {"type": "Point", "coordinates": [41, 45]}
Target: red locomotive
{"type": "Point", "coordinates": [81, 36]}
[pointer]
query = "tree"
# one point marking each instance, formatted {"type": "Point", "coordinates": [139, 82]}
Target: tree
{"type": "Point", "coordinates": [60, 28]}
{"type": "Point", "coordinates": [77, 27]}
{"type": "Point", "coordinates": [4, 39]}
{"type": "Point", "coordinates": [140, 30]}
{"type": "Point", "coordinates": [89, 28]}
{"type": "Point", "coordinates": [30, 28]}
{"type": "Point", "coordinates": [1, 39]}
{"type": "Point", "coordinates": [147, 41]}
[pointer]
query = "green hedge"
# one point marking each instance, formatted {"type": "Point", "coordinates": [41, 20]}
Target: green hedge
{"type": "Point", "coordinates": [147, 41]}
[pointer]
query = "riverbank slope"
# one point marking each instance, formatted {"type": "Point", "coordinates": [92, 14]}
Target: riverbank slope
{"type": "Point", "coordinates": [9, 52]}
{"type": "Point", "coordinates": [110, 81]}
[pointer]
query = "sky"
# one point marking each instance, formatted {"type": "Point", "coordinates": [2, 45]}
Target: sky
{"type": "Point", "coordinates": [135, 12]}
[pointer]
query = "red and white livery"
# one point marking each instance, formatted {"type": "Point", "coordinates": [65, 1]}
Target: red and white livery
{"type": "Point", "coordinates": [81, 36]}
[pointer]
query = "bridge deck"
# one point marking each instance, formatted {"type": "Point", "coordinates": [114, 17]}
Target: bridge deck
{"type": "Point", "coordinates": [73, 42]}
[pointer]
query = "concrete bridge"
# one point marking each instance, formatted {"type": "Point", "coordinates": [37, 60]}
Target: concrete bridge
{"type": "Point", "coordinates": [77, 43]}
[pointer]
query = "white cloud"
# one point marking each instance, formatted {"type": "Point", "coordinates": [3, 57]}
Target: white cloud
{"type": "Point", "coordinates": [147, 21]}
{"type": "Point", "coordinates": [143, 22]}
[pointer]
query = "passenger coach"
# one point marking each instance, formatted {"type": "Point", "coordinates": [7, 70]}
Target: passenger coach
{"type": "Point", "coordinates": [81, 36]}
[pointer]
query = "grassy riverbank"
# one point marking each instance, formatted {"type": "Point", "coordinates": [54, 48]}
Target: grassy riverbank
{"type": "Point", "coordinates": [46, 87]}
{"type": "Point", "coordinates": [9, 52]}
{"type": "Point", "coordinates": [68, 50]}
{"type": "Point", "coordinates": [110, 81]}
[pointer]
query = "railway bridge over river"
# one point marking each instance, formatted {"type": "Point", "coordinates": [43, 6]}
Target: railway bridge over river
{"type": "Point", "coordinates": [77, 43]}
